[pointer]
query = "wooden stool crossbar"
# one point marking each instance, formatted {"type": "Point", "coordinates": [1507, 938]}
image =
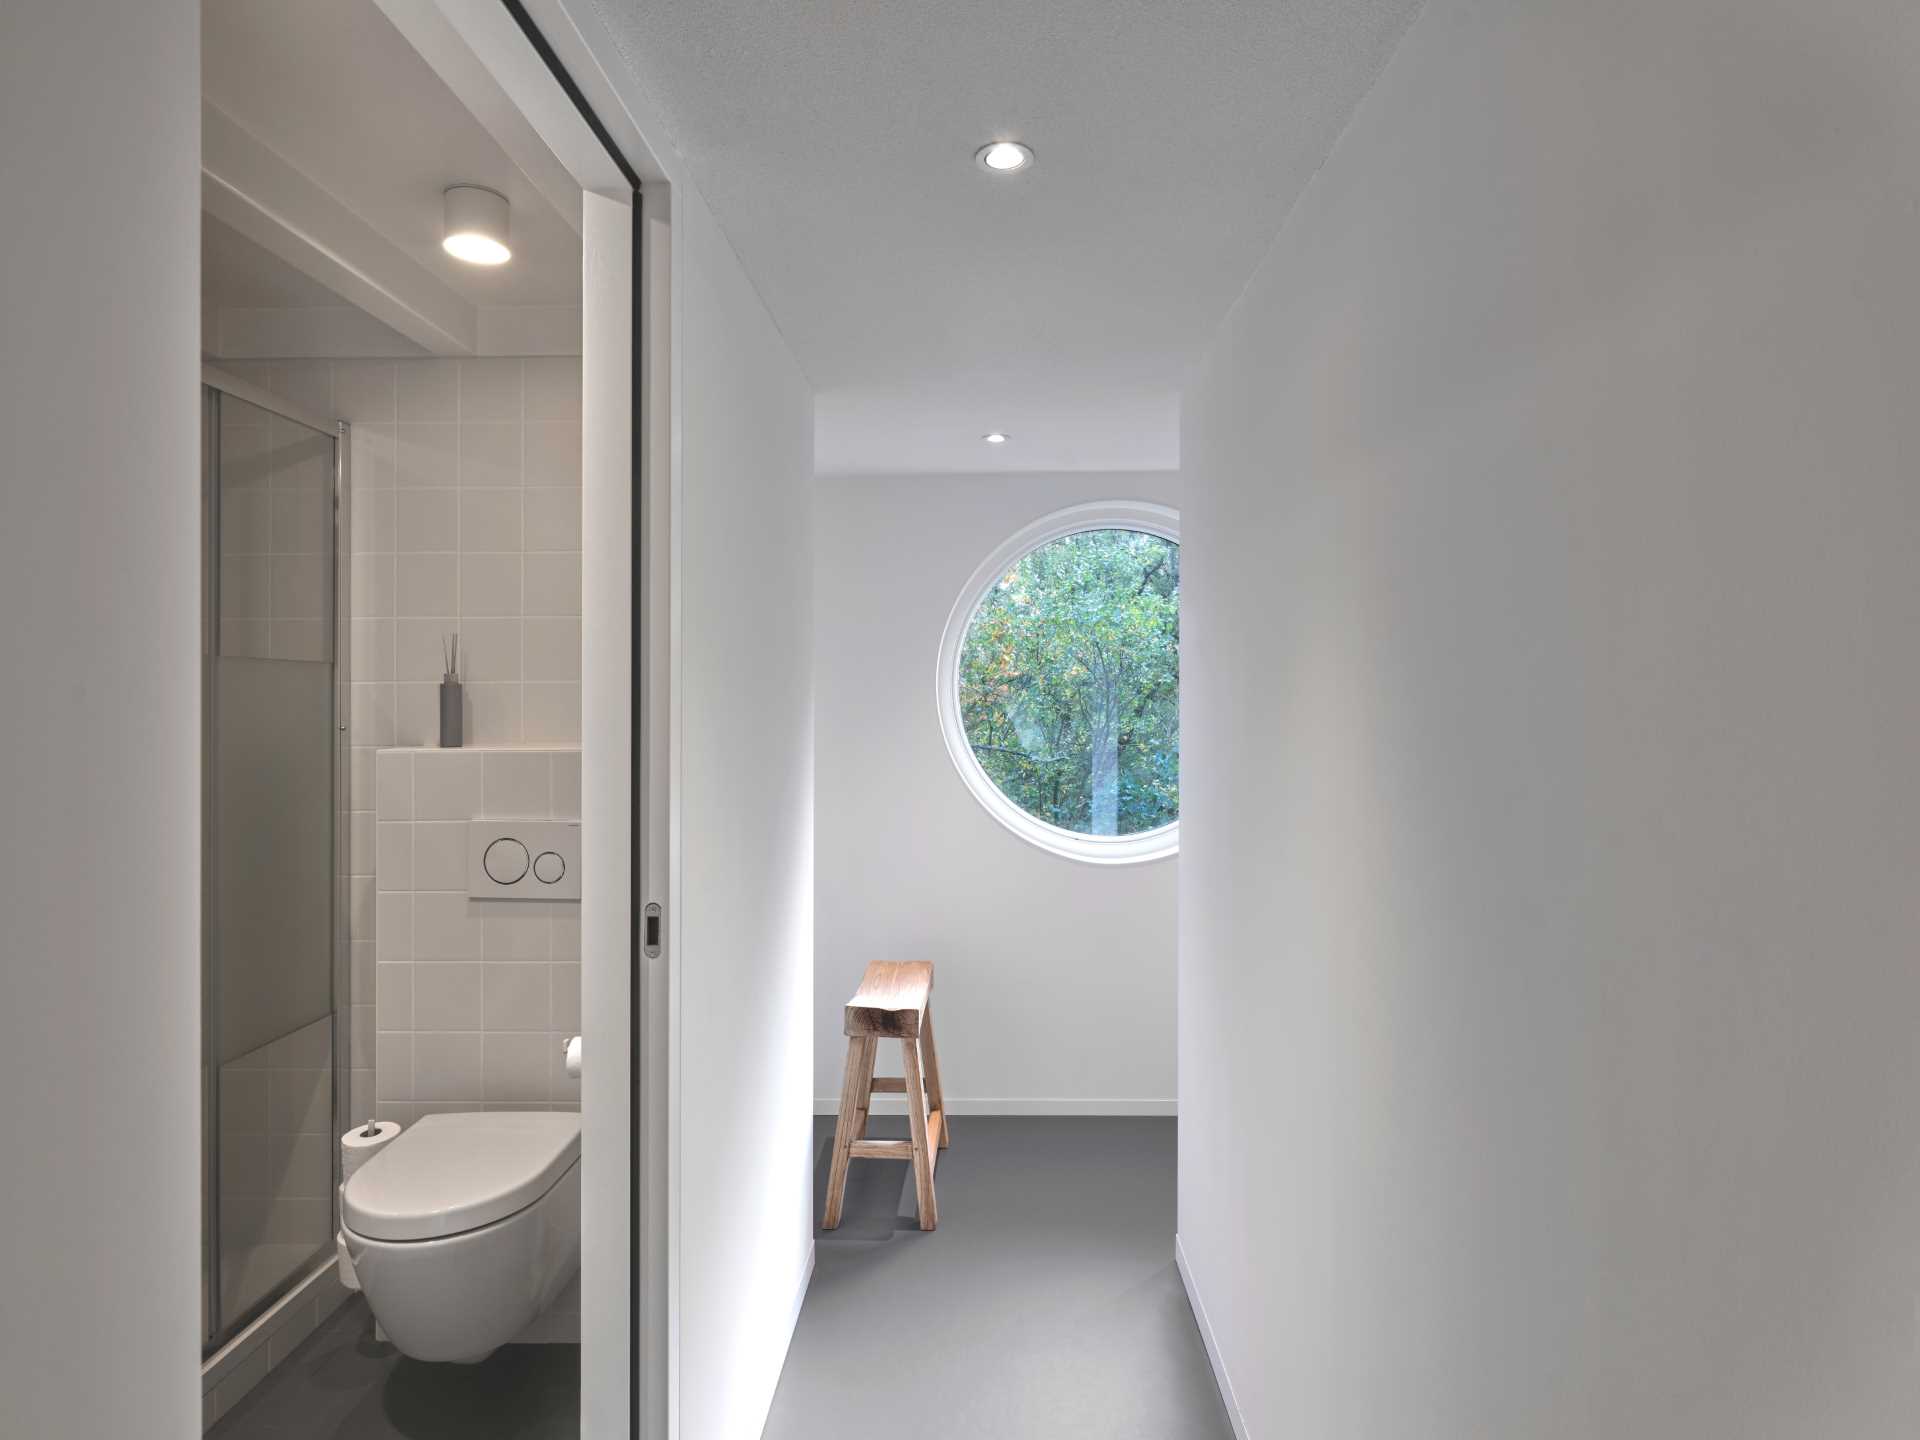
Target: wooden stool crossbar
{"type": "Point", "coordinates": [894, 1002]}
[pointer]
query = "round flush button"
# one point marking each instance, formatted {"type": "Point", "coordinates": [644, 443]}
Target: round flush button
{"type": "Point", "coordinates": [506, 861]}
{"type": "Point", "coordinates": [548, 867]}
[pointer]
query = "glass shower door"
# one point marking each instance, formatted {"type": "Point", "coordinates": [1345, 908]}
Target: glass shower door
{"type": "Point", "coordinates": [270, 916]}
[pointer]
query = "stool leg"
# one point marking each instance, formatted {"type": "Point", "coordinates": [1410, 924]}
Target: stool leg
{"type": "Point", "coordinates": [930, 1058]}
{"type": "Point", "coordinates": [850, 1126]}
{"type": "Point", "coordinates": [917, 1123]}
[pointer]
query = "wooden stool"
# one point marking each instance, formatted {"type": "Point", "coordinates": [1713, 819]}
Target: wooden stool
{"type": "Point", "coordinates": [893, 1003]}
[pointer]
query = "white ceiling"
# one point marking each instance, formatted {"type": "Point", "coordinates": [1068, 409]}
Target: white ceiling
{"type": "Point", "coordinates": [336, 92]}
{"type": "Point", "coordinates": [930, 302]}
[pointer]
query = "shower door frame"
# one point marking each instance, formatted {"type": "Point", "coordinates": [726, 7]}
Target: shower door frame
{"type": "Point", "coordinates": [218, 1330]}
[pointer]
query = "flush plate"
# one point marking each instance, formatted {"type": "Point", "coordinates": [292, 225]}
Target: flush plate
{"type": "Point", "coordinates": [523, 859]}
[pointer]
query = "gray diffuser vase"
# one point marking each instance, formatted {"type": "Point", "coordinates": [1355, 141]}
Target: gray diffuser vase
{"type": "Point", "coordinates": [452, 711]}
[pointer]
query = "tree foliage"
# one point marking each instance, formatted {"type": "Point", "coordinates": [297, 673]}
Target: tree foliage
{"type": "Point", "coordinates": [1070, 682]}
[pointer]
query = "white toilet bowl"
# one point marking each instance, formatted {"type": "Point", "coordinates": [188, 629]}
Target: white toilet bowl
{"type": "Point", "coordinates": [465, 1228]}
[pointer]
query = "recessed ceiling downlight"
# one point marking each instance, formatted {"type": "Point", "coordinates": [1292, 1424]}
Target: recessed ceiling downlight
{"type": "Point", "coordinates": [994, 437]}
{"type": "Point", "coordinates": [1003, 157]}
{"type": "Point", "coordinates": [476, 225]}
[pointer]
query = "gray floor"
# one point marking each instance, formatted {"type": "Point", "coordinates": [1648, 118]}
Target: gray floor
{"type": "Point", "coordinates": [342, 1384]}
{"type": "Point", "coordinates": [1046, 1304]}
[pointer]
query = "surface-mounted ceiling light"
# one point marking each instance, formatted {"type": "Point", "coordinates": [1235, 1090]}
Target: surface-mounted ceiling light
{"type": "Point", "coordinates": [476, 226]}
{"type": "Point", "coordinates": [1003, 157]}
{"type": "Point", "coordinates": [994, 437]}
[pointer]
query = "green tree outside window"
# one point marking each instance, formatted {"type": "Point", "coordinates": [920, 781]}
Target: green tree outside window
{"type": "Point", "coordinates": [1070, 682]}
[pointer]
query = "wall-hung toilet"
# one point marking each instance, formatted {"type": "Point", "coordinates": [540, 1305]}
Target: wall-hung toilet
{"type": "Point", "coordinates": [465, 1228]}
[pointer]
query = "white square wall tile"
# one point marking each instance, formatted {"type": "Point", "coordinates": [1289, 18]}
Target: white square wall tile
{"type": "Point", "coordinates": [517, 1067]}
{"type": "Point", "coordinates": [553, 519]}
{"type": "Point", "coordinates": [446, 1066]}
{"type": "Point", "coordinates": [565, 980]}
{"type": "Point", "coordinates": [372, 646]}
{"type": "Point", "coordinates": [518, 785]}
{"type": "Point", "coordinates": [372, 585]}
{"type": "Point", "coordinates": [393, 1065]}
{"type": "Point", "coordinates": [426, 521]}
{"type": "Point", "coordinates": [552, 387]}
{"type": "Point", "coordinates": [393, 996]}
{"type": "Point", "coordinates": [360, 908]}
{"type": "Point", "coordinates": [490, 456]}
{"type": "Point", "coordinates": [518, 995]}
{"type": "Point", "coordinates": [552, 646]}
{"type": "Point", "coordinates": [551, 585]}
{"type": "Point", "coordinates": [447, 785]}
{"type": "Point", "coordinates": [393, 785]}
{"type": "Point", "coordinates": [516, 930]}
{"type": "Point", "coordinates": [447, 996]}
{"type": "Point", "coordinates": [370, 712]}
{"type": "Point", "coordinates": [493, 714]}
{"type": "Point", "coordinates": [416, 714]}
{"type": "Point", "coordinates": [363, 391]}
{"type": "Point", "coordinates": [551, 714]}
{"type": "Point", "coordinates": [393, 926]}
{"type": "Point", "coordinates": [490, 585]}
{"type": "Point", "coordinates": [440, 855]}
{"type": "Point", "coordinates": [427, 389]}
{"type": "Point", "coordinates": [490, 389]}
{"type": "Point", "coordinates": [552, 452]}
{"type": "Point", "coordinates": [566, 785]}
{"type": "Point", "coordinates": [371, 459]}
{"type": "Point", "coordinates": [394, 867]}
{"type": "Point", "coordinates": [490, 520]}
{"type": "Point", "coordinates": [360, 837]}
{"type": "Point", "coordinates": [443, 928]}
{"type": "Point", "coordinates": [427, 585]}
{"type": "Point", "coordinates": [372, 523]}
{"type": "Point", "coordinates": [426, 456]}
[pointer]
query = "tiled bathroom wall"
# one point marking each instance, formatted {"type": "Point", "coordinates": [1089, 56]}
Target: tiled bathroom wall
{"type": "Point", "coordinates": [473, 999]}
{"type": "Point", "coordinates": [464, 516]}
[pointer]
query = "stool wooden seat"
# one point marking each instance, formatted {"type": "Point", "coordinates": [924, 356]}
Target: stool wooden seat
{"type": "Point", "coordinates": [894, 1002]}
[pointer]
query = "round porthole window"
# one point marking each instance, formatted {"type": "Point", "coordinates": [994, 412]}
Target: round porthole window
{"type": "Point", "coordinates": [1059, 683]}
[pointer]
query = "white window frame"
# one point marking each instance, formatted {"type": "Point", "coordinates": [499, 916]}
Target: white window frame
{"type": "Point", "coordinates": [1158, 844]}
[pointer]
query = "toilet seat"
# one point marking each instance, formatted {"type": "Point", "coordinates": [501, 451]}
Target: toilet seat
{"type": "Point", "coordinates": [450, 1174]}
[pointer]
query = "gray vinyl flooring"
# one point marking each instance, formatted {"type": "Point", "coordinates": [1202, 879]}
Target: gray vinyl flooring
{"type": "Point", "coordinates": [1046, 1304]}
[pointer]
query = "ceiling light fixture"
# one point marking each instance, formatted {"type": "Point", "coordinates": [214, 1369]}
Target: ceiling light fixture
{"type": "Point", "coordinates": [994, 437]}
{"type": "Point", "coordinates": [476, 225]}
{"type": "Point", "coordinates": [1003, 157]}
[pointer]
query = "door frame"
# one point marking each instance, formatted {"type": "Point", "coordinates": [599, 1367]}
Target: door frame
{"type": "Point", "coordinates": [534, 55]}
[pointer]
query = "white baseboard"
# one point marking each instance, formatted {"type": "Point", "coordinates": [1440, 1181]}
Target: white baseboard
{"type": "Point", "coordinates": [897, 1105]}
{"type": "Point", "coordinates": [1220, 1376]}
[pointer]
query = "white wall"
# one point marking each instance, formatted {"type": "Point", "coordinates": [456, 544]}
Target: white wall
{"type": "Point", "coordinates": [1548, 987]}
{"type": "Point", "coordinates": [99, 573]}
{"type": "Point", "coordinates": [909, 864]}
{"type": "Point", "coordinates": [743, 931]}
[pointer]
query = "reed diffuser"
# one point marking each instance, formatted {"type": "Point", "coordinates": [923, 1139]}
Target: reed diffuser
{"type": "Point", "coordinates": [452, 709]}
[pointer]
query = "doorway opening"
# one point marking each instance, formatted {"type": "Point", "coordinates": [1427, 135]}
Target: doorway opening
{"type": "Point", "coordinates": [417, 321]}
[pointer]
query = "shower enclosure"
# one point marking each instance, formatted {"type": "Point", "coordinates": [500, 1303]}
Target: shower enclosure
{"type": "Point", "coordinates": [273, 832]}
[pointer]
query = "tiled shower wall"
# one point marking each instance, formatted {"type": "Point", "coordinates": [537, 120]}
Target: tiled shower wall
{"type": "Point", "coordinates": [465, 515]}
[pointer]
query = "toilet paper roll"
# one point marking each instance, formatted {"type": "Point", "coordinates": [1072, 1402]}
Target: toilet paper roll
{"type": "Point", "coordinates": [573, 1057]}
{"type": "Point", "coordinates": [356, 1148]}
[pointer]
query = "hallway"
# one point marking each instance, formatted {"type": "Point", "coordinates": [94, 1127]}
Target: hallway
{"type": "Point", "coordinates": [1045, 1305]}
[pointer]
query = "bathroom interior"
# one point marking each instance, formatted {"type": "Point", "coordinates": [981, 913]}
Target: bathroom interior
{"type": "Point", "coordinates": [391, 334]}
